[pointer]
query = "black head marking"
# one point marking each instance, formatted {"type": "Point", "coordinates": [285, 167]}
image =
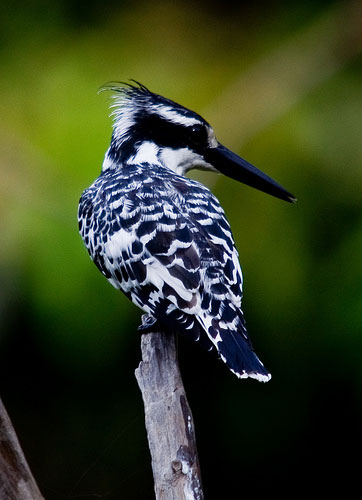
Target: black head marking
{"type": "Point", "coordinates": [141, 115]}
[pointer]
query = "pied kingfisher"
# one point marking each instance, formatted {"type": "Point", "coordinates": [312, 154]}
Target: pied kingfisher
{"type": "Point", "coordinates": [162, 238]}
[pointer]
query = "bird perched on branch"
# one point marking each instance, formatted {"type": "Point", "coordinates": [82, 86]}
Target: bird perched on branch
{"type": "Point", "coordinates": [162, 238]}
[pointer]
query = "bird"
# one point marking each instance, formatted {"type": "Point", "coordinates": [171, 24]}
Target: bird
{"type": "Point", "coordinates": [163, 238]}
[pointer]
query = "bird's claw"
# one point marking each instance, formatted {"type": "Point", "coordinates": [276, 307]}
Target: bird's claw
{"type": "Point", "coordinates": [148, 323]}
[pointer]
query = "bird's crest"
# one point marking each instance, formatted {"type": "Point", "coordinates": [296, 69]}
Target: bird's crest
{"type": "Point", "coordinates": [131, 99]}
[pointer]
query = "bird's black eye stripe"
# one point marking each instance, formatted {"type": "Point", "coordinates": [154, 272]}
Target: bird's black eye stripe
{"type": "Point", "coordinates": [197, 128]}
{"type": "Point", "coordinates": [168, 134]}
{"type": "Point", "coordinates": [198, 135]}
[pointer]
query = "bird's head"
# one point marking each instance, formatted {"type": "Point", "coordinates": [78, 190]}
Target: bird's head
{"type": "Point", "coordinates": [149, 128]}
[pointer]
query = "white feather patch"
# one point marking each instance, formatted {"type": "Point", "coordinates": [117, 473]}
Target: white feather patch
{"type": "Point", "coordinates": [175, 117]}
{"type": "Point", "coordinates": [146, 153]}
{"type": "Point", "coordinates": [121, 240]}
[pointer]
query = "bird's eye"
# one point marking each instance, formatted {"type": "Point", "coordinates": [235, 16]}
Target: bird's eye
{"type": "Point", "coordinates": [197, 128]}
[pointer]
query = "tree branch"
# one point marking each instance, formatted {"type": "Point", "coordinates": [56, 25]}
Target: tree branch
{"type": "Point", "coordinates": [169, 422]}
{"type": "Point", "coordinates": [16, 479]}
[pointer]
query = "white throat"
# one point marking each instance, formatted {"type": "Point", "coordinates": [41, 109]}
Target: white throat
{"type": "Point", "coordinates": [179, 161]}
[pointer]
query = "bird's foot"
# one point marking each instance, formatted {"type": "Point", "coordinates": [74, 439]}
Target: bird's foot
{"type": "Point", "coordinates": [149, 324]}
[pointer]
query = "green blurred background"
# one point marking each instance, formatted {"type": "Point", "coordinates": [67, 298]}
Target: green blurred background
{"type": "Point", "coordinates": [281, 83]}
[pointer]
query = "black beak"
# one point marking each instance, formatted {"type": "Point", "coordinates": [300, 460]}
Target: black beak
{"type": "Point", "coordinates": [230, 164]}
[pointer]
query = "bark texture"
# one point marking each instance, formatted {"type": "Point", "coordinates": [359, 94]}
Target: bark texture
{"type": "Point", "coordinates": [16, 479]}
{"type": "Point", "coordinates": [169, 422]}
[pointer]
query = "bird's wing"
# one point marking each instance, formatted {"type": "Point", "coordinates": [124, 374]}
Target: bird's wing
{"type": "Point", "coordinates": [170, 243]}
{"type": "Point", "coordinates": [220, 268]}
{"type": "Point", "coordinates": [151, 255]}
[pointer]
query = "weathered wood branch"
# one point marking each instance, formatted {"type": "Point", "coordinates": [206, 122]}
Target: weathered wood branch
{"type": "Point", "coordinates": [16, 479]}
{"type": "Point", "coordinates": [169, 425]}
{"type": "Point", "coordinates": [169, 422]}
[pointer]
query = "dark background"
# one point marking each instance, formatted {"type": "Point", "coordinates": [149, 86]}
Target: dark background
{"type": "Point", "coordinates": [281, 84]}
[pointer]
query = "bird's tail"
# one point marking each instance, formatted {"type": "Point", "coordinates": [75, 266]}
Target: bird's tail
{"type": "Point", "coordinates": [235, 349]}
{"type": "Point", "coordinates": [240, 357]}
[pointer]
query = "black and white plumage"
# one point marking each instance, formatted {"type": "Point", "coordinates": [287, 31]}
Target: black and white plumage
{"type": "Point", "coordinates": [162, 238]}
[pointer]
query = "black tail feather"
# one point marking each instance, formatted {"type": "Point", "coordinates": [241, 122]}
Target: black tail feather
{"type": "Point", "coordinates": [234, 348]}
{"type": "Point", "coordinates": [240, 357]}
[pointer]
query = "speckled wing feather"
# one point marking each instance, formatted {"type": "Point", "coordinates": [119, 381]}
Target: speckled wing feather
{"type": "Point", "coordinates": [163, 239]}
